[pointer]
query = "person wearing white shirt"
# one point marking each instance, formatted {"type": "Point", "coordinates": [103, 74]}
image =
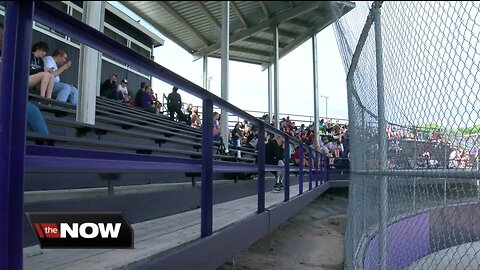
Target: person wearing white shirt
{"type": "Point", "coordinates": [57, 64]}
{"type": "Point", "coordinates": [123, 90]}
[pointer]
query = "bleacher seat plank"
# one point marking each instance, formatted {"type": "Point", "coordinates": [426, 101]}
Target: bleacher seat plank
{"type": "Point", "coordinates": [151, 237]}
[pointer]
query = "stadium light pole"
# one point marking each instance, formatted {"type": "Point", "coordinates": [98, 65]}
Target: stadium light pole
{"type": "Point", "coordinates": [326, 106]}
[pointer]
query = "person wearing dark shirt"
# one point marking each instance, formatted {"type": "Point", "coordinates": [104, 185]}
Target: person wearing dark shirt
{"type": "Point", "coordinates": [274, 156]}
{"type": "Point", "coordinates": [237, 135]}
{"type": "Point", "coordinates": [109, 87]}
{"type": "Point", "coordinates": [40, 78]}
{"type": "Point", "coordinates": [144, 100]}
{"type": "Point", "coordinates": [174, 105]}
{"type": "Point", "coordinates": [35, 120]}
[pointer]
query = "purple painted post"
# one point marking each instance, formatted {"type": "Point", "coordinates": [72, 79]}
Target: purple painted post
{"type": "Point", "coordinates": [13, 98]}
{"type": "Point", "coordinates": [261, 168]}
{"type": "Point", "coordinates": [325, 170]}
{"type": "Point", "coordinates": [317, 173]}
{"type": "Point", "coordinates": [300, 171]}
{"type": "Point", "coordinates": [310, 165]}
{"type": "Point", "coordinates": [207, 169]}
{"type": "Point", "coordinates": [286, 180]}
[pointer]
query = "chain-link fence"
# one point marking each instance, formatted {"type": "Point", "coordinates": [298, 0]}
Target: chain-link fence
{"type": "Point", "coordinates": [413, 94]}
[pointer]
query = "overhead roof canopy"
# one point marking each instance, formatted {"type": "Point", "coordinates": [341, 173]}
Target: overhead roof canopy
{"type": "Point", "coordinates": [196, 25]}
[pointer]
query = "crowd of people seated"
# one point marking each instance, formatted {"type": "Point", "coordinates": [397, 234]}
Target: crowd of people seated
{"type": "Point", "coordinates": [45, 71]}
{"type": "Point", "coordinates": [433, 149]}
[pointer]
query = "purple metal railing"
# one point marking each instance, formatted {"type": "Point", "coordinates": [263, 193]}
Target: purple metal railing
{"type": "Point", "coordinates": [261, 169]}
{"type": "Point", "coordinates": [310, 168]}
{"type": "Point", "coordinates": [13, 103]}
{"type": "Point", "coordinates": [13, 98]}
{"type": "Point", "coordinates": [286, 180]}
{"type": "Point", "coordinates": [300, 171]}
{"type": "Point", "coordinates": [207, 169]}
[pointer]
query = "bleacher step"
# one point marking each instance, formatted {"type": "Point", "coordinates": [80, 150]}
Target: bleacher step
{"type": "Point", "coordinates": [49, 195]}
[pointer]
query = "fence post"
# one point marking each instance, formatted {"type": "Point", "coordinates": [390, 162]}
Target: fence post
{"type": "Point", "coordinates": [261, 168]}
{"type": "Point", "coordinates": [13, 103]}
{"type": "Point", "coordinates": [207, 169]}
{"type": "Point", "coordinates": [310, 165]}
{"type": "Point", "coordinates": [286, 177]}
{"type": "Point", "coordinates": [300, 170]}
{"type": "Point", "coordinates": [382, 135]}
{"type": "Point", "coordinates": [317, 173]}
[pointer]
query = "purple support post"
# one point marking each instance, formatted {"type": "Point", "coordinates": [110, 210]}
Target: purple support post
{"type": "Point", "coordinates": [286, 180]}
{"type": "Point", "coordinates": [261, 168]}
{"type": "Point", "coordinates": [300, 171]}
{"type": "Point", "coordinates": [324, 169]}
{"type": "Point", "coordinates": [207, 169]}
{"type": "Point", "coordinates": [327, 171]}
{"type": "Point", "coordinates": [13, 98]}
{"type": "Point", "coordinates": [310, 165]}
{"type": "Point", "coordinates": [317, 173]}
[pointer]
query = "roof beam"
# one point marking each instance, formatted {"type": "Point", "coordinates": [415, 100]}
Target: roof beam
{"type": "Point", "coordinates": [283, 33]}
{"type": "Point", "coordinates": [265, 9]}
{"type": "Point", "coordinates": [207, 12]}
{"type": "Point", "coordinates": [263, 41]}
{"type": "Point", "coordinates": [160, 28]}
{"type": "Point", "coordinates": [299, 22]}
{"type": "Point", "coordinates": [286, 15]}
{"type": "Point", "coordinates": [182, 20]}
{"type": "Point", "coordinates": [239, 15]}
{"type": "Point", "coordinates": [250, 51]}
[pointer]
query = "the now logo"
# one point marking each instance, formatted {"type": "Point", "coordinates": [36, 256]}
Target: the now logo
{"type": "Point", "coordinates": [81, 230]}
{"type": "Point", "coordinates": [76, 230]}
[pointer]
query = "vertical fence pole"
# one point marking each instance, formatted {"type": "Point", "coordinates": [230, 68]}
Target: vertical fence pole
{"type": "Point", "coordinates": [13, 103]}
{"type": "Point", "coordinates": [382, 136]}
{"type": "Point", "coordinates": [261, 168]}
{"type": "Point", "coordinates": [286, 180]}
{"type": "Point", "coordinates": [207, 169]}
{"type": "Point", "coordinates": [310, 167]}
{"type": "Point", "coordinates": [300, 171]}
{"type": "Point", "coordinates": [316, 168]}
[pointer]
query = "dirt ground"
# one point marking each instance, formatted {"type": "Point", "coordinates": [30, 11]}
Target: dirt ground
{"type": "Point", "coordinates": [313, 239]}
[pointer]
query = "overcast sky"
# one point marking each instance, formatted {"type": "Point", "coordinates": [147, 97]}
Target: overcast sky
{"type": "Point", "coordinates": [248, 85]}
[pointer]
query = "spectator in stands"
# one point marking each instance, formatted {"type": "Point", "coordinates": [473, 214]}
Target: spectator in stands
{"type": "Point", "coordinates": [454, 158]}
{"type": "Point", "coordinates": [57, 63]}
{"type": "Point", "coordinates": [252, 138]}
{"type": "Point", "coordinates": [274, 156]}
{"type": "Point", "coordinates": [237, 135]}
{"type": "Point", "coordinates": [35, 120]}
{"type": "Point", "coordinates": [174, 105]}
{"type": "Point", "coordinates": [108, 88]}
{"type": "Point", "coordinates": [40, 78]}
{"type": "Point", "coordinates": [195, 118]}
{"type": "Point", "coordinates": [143, 85]}
{"type": "Point", "coordinates": [296, 157]}
{"type": "Point", "coordinates": [122, 90]}
{"type": "Point", "coordinates": [325, 150]}
{"type": "Point", "coordinates": [216, 126]}
{"type": "Point", "coordinates": [157, 104]}
{"type": "Point", "coordinates": [144, 100]}
{"type": "Point", "coordinates": [188, 112]}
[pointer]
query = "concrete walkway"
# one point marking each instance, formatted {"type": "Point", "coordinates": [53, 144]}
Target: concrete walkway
{"type": "Point", "coordinates": [313, 239]}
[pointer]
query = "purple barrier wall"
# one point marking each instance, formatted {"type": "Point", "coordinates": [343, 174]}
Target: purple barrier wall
{"type": "Point", "coordinates": [407, 241]}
